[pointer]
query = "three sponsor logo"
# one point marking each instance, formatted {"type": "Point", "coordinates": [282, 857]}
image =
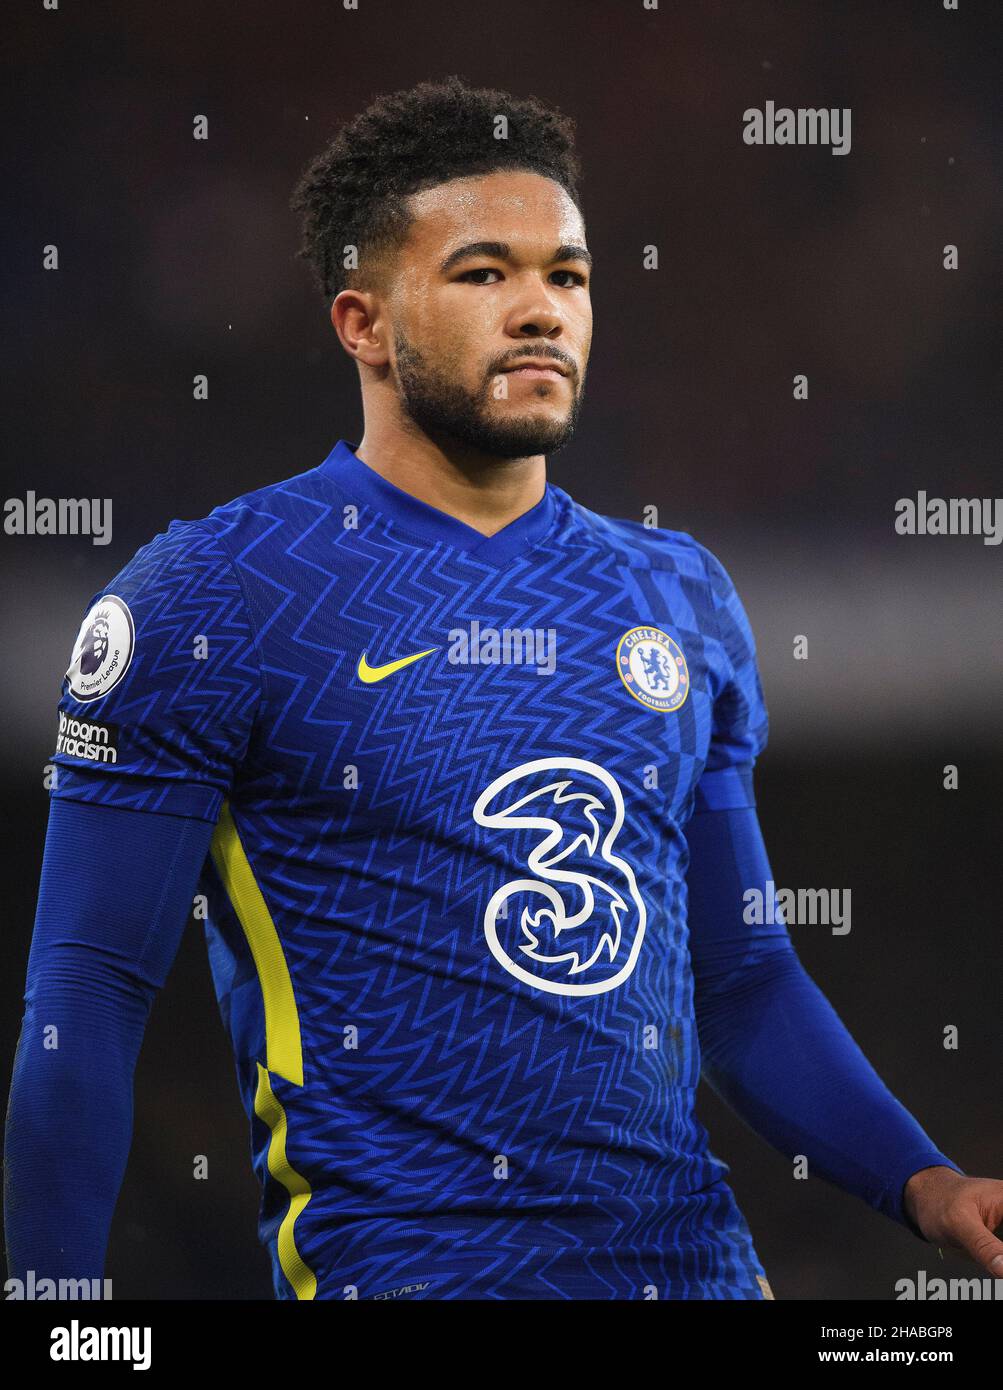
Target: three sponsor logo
{"type": "Point", "coordinates": [583, 932]}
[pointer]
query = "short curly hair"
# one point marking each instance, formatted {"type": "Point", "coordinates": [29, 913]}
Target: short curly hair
{"type": "Point", "coordinates": [355, 192]}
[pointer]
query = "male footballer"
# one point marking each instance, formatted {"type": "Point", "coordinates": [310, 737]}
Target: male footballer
{"type": "Point", "coordinates": [464, 772]}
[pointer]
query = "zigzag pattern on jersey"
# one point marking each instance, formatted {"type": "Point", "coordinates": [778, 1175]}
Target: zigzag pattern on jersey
{"type": "Point", "coordinates": [184, 718]}
{"type": "Point", "coordinates": [379, 893]}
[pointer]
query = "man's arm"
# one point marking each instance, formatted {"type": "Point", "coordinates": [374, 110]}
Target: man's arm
{"type": "Point", "coordinates": [116, 891]}
{"type": "Point", "coordinates": [775, 1049]}
{"type": "Point", "coordinates": [773, 1045]}
{"type": "Point", "coordinates": [156, 714]}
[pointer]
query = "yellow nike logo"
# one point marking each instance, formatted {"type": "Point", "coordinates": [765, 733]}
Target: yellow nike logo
{"type": "Point", "coordinates": [371, 674]}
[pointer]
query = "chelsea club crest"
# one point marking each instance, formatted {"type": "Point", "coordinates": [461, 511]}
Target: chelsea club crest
{"type": "Point", "coordinates": [653, 668]}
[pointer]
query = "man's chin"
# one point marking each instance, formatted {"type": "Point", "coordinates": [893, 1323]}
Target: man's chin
{"type": "Point", "coordinates": [502, 434]}
{"type": "Point", "coordinates": [522, 436]}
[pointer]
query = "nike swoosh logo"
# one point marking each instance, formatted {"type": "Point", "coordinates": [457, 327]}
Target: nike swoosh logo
{"type": "Point", "coordinates": [371, 674]}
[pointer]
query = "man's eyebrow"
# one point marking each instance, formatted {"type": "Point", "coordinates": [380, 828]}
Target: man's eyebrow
{"type": "Point", "coordinates": [498, 250]}
{"type": "Point", "coordinates": [573, 253]}
{"type": "Point", "coordinates": [501, 251]}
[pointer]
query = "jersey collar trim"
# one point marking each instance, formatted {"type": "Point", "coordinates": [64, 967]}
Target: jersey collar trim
{"type": "Point", "coordinates": [364, 485]}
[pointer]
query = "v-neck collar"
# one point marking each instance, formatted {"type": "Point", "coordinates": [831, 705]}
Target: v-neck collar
{"type": "Point", "coordinates": [363, 484]}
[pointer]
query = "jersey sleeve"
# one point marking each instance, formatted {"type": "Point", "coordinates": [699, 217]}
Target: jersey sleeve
{"type": "Point", "coordinates": [163, 685]}
{"type": "Point", "coordinates": [772, 1045]}
{"type": "Point", "coordinates": [740, 725]}
{"type": "Point", "coordinates": [96, 963]}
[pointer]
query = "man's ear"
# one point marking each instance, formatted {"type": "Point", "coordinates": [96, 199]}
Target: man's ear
{"type": "Point", "coordinates": [359, 321]}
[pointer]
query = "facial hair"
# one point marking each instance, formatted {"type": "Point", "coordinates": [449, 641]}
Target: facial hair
{"type": "Point", "coordinates": [440, 405]}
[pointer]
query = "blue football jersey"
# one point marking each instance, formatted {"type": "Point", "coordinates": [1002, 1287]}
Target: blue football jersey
{"type": "Point", "coordinates": [450, 776]}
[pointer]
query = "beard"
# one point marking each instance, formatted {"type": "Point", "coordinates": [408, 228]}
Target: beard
{"type": "Point", "coordinates": [439, 405]}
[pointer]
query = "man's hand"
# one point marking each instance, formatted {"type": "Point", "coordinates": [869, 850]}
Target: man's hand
{"type": "Point", "coordinates": [959, 1212]}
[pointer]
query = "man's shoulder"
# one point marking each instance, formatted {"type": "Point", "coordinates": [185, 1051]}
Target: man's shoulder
{"type": "Point", "coordinates": [643, 545]}
{"type": "Point", "coordinates": [296, 500]}
{"type": "Point", "coordinates": [300, 498]}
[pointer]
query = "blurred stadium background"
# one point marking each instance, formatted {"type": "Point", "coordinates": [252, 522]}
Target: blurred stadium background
{"type": "Point", "coordinates": [178, 257]}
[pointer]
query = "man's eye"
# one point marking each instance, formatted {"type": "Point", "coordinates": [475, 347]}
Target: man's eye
{"type": "Point", "coordinates": [574, 278]}
{"type": "Point", "coordinates": [472, 275]}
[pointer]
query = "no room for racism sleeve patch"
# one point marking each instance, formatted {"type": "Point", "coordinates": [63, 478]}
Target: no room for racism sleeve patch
{"type": "Point", "coordinates": [79, 738]}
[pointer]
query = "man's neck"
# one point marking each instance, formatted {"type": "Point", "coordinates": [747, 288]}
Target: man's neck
{"type": "Point", "coordinates": [485, 493]}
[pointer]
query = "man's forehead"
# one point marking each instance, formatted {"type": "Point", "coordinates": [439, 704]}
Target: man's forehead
{"type": "Point", "coordinates": [504, 205]}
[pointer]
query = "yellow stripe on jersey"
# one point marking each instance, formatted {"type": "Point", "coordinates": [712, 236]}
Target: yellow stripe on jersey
{"type": "Point", "coordinates": [283, 1045]}
{"type": "Point", "coordinates": [268, 1108]}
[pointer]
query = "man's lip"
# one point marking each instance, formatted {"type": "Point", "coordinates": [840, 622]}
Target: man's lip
{"type": "Point", "coordinates": [537, 366]}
